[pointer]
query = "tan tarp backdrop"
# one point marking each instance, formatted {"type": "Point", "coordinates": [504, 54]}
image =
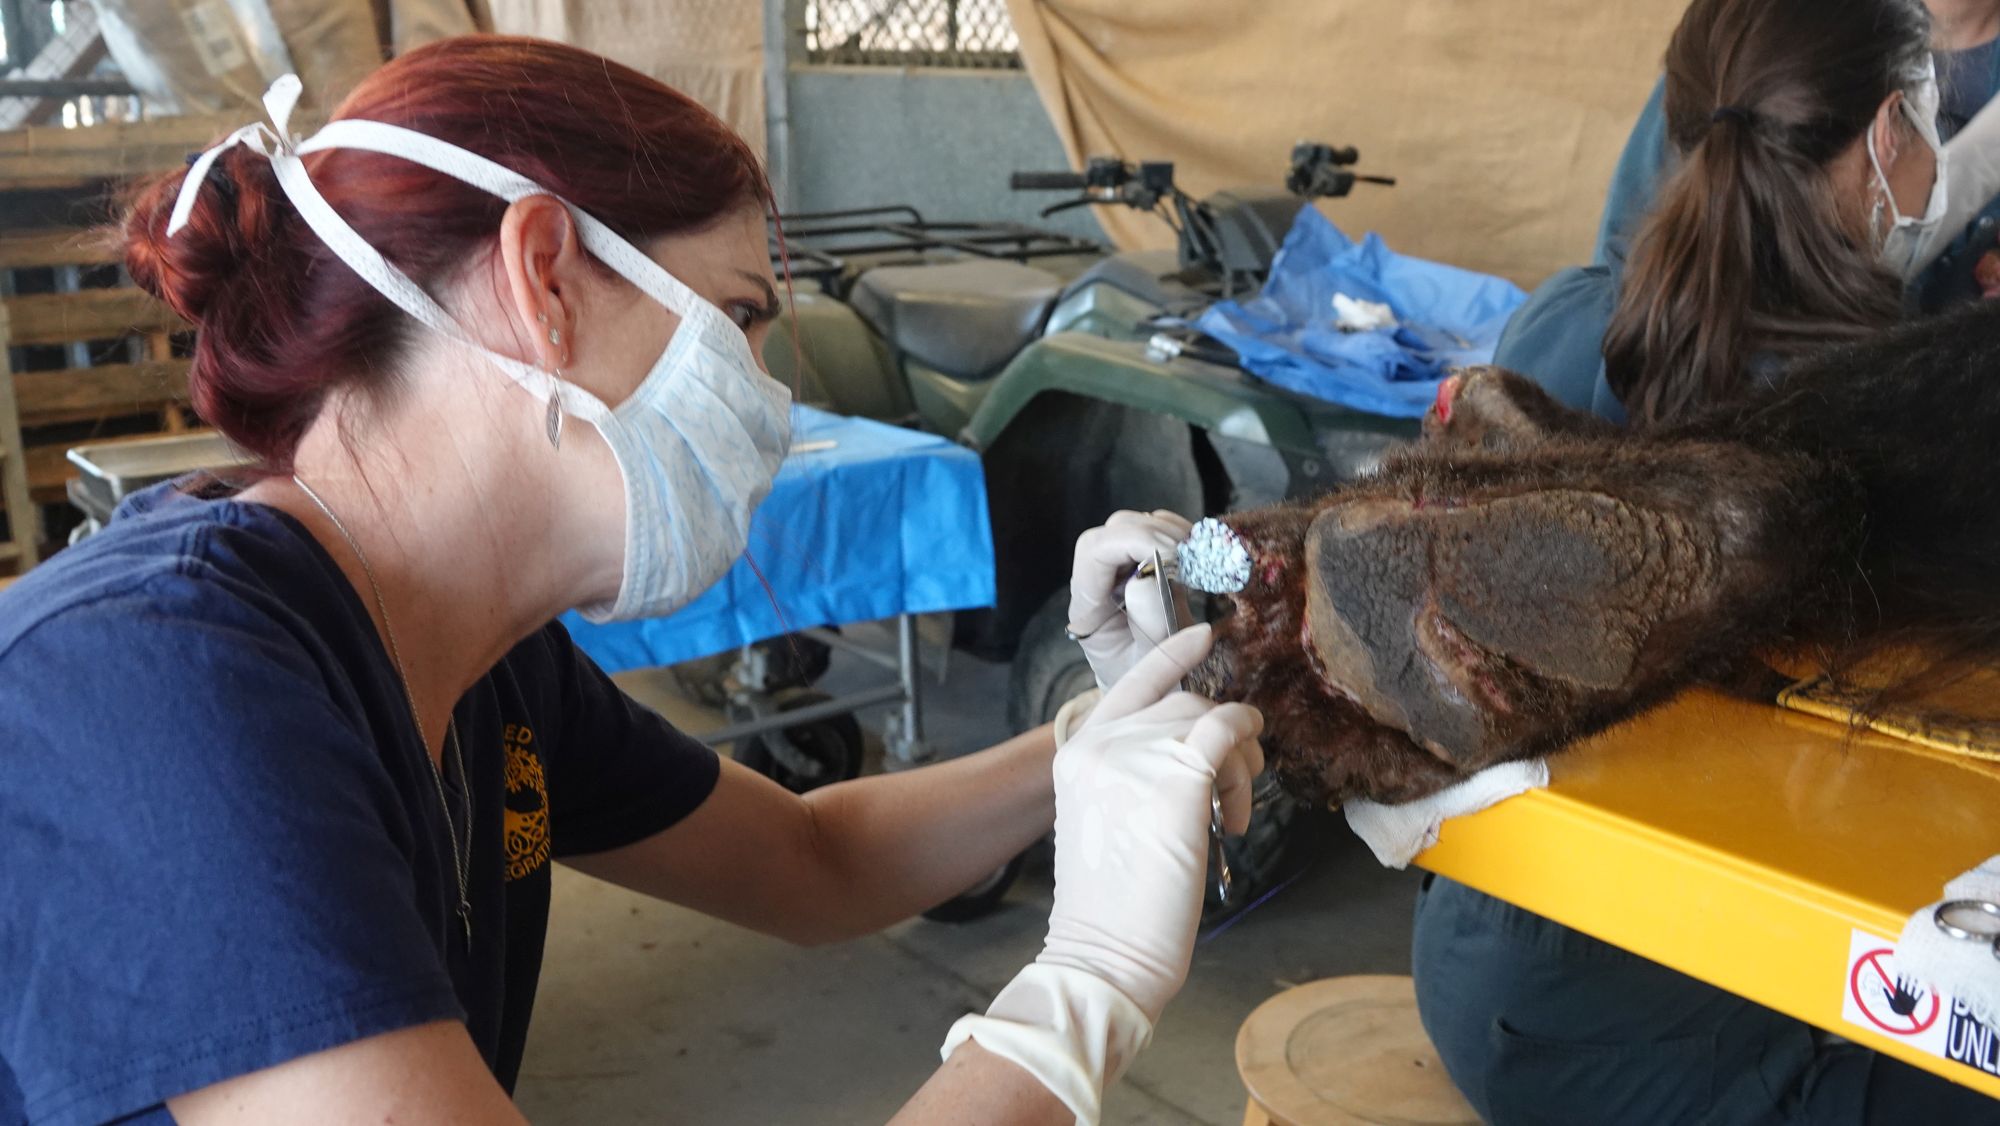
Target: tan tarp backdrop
{"type": "Point", "coordinates": [1500, 119]}
{"type": "Point", "coordinates": [711, 50]}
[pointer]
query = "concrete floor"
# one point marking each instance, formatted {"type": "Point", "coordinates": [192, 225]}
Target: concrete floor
{"type": "Point", "coordinates": [649, 1013]}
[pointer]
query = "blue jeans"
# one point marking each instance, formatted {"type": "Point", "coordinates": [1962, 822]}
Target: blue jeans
{"type": "Point", "coordinates": [1539, 1024]}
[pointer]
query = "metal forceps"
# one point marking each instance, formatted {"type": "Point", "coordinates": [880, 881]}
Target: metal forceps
{"type": "Point", "coordinates": [1156, 568]}
{"type": "Point", "coordinates": [1970, 920]}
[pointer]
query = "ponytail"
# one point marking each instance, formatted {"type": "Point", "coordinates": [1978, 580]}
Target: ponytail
{"type": "Point", "coordinates": [1746, 257]}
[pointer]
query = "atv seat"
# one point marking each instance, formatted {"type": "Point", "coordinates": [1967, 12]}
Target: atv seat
{"type": "Point", "coordinates": [966, 319]}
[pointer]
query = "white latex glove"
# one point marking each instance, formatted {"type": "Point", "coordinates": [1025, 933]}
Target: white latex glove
{"type": "Point", "coordinates": [1117, 628]}
{"type": "Point", "coordinates": [1132, 822]}
{"type": "Point", "coordinates": [1133, 793]}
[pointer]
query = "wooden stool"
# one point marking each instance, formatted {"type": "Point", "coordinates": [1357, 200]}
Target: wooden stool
{"type": "Point", "coordinates": [1346, 1051]}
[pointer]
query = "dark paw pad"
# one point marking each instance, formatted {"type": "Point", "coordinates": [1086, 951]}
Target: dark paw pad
{"type": "Point", "coordinates": [1463, 625]}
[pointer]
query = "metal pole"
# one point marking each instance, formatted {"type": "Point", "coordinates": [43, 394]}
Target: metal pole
{"type": "Point", "coordinates": [913, 680]}
{"type": "Point", "coordinates": [799, 717]}
{"type": "Point", "coordinates": [784, 21]}
{"type": "Point", "coordinates": [64, 88]}
{"type": "Point", "coordinates": [869, 653]}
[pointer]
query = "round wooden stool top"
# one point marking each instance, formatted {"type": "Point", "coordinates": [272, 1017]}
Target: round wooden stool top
{"type": "Point", "coordinates": [1343, 1052]}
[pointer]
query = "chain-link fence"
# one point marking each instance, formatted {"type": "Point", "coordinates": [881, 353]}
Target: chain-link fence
{"type": "Point", "coordinates": [955, 33]}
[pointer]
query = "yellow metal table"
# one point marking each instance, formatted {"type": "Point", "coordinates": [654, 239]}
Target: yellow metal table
{"type": "Point", "coordinates": [1742, 844]}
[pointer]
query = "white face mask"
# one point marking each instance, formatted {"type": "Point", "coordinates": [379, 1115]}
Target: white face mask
{"type": "Point", "coordinates": [1906, 243]}
{"type": "Point", "coordinates": [697, 442]}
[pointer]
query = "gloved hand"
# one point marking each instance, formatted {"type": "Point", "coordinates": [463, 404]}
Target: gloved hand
{"type": "Point", "coordinates": [1115, 637]}
{"type": "Point", "coordinates": [1132, 820]}
{"type": "Point", "coordinates": [1133, 793]}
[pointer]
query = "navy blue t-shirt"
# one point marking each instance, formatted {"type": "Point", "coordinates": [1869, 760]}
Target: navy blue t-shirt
{"type": "Point", "coordinates": [221, 846]}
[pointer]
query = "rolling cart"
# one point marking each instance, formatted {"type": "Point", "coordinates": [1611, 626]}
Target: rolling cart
{"type": "Point", "coordinates": [866, 522]}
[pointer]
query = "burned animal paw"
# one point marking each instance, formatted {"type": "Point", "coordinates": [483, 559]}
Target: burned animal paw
{"type": "Point", "coordinates": [1526, 575]}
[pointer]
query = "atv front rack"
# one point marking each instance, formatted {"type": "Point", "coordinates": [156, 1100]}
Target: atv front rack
{"type": "Point", "coordinates": [819, 244]}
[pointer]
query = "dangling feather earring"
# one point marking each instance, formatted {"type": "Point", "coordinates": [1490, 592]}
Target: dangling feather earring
{"type": "Point", "coordinates": [552, 422]}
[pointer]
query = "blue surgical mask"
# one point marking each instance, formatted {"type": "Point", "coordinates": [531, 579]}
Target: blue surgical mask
{"type": "Point", "coordinates": [697, 443]}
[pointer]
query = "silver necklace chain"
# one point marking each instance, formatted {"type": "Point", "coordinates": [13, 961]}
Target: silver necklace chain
{"type": "Point", "coordinates": [459, 863]}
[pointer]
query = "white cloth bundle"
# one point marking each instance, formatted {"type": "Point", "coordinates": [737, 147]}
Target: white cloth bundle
{"type": "Point", "coordinates": [1957, 967]}
{"type": "Point", "coordinates": [1397, 833]}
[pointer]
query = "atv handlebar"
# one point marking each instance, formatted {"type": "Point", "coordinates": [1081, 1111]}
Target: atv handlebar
{"type": "Point", "coordinates": [1317, 171]}
{"type": "Point", "coordinates": [1047, 181]}
{"type": "Point", "coordinates": [1322, 171]}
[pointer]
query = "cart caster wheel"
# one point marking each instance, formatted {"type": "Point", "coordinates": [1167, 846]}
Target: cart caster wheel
{"type": "Point", "coordinates": [791, 661]}
{"type": "Point", "coordinates": [980, 899]}
{"type": "Point", "coordinates": [809, 756]}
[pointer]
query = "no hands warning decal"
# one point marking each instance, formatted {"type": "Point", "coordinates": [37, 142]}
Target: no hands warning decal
{"type": "Point", "coordinates": [1878, 999]}
{"type": "Point", "coordinates": [1891, 1002]}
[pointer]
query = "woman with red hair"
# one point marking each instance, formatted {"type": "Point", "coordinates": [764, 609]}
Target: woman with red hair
{"type": "Point", "coordinates": [288, 758]}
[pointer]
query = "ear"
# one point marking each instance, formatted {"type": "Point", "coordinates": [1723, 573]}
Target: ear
{"type": "Point", "coordinates": [541, 256]}
{"type": "Point", "coordinates": [1886, 130]}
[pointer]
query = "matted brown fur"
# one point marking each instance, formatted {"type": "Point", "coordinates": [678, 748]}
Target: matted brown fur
{"type": "Point", "coordinates": [1525, 575]}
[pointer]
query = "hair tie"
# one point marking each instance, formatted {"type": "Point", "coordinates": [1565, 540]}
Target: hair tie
{"type": "Point", "coordinates": [274, 144]}
{"type": "Point", "coordinates": [216, 177]}
{"type": "Point", "coordinates": [1737, 114]}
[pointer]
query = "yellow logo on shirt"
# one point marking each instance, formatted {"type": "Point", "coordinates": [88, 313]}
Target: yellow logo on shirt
{"type": "Point", "coordinates": [527, 811]}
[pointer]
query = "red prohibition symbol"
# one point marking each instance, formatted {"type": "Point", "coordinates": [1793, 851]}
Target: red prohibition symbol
{"type": "Point", "coordinates": [1895, 1005]}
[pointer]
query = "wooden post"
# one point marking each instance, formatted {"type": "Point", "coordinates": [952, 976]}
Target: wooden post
{"type": "Point", "coordinates": [24, 520]}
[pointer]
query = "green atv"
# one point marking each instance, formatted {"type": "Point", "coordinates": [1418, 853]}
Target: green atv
{"type": "Point", "coordinates": [1070, 371]}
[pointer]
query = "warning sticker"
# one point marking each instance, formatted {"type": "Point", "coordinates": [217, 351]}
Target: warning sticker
{"type": "Point", "coordinates": [1879, 999]}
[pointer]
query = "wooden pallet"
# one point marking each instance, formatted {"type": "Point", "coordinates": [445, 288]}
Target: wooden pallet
{"type": "Point", "coordinates": [119, 373]}
{"type": "Point", "coordinates": [51, 157]}
{"type": "Point", "coordinates": [136, 385]}
{"type": "Point", "coordinates": [153, 385]}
